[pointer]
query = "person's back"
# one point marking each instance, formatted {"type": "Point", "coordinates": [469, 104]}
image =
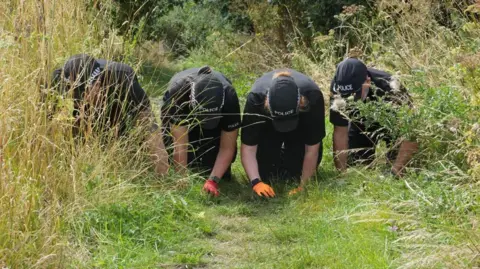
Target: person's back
{"type": "Point", "coordinates": [283, 126]}
{"type": "Point", "coordinates": [120, 97]}
{"type": "Point", "coordinates": [354, 79]}
{"type": "Point", "coordinates": [125, 97]}
{"type": "Point", "coordinates": [109, 101]}
{"type": "Point", "coordinates": [200, 118]}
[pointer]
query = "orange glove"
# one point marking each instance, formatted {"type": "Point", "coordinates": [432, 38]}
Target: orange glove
{"type": "Point", "coordinates": [295, 191]}
{"type": "Point", "coordinates": [262, 189]}
{"type": "Point", "coordinates": [211, 187]}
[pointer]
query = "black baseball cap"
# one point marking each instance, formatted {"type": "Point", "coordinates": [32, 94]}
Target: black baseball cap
{"type": "Point", "coordinates": [83, 69]}
{"type": "Point", "coordinates": [350, 75]}
{"type": "Point", "coordinates": [284, 102]}
{"type": "Point", "coordinates": [207, 98]}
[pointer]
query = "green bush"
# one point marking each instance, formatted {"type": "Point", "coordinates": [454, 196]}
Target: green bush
{"type": "Point", "coordinates": [440, 121]}
{"type": "Point", "coordinates": [187, 27]}
{"type": "Point", "coordinates": [313, 16]}
{"type": "Point", "coordinates": [129, 15]}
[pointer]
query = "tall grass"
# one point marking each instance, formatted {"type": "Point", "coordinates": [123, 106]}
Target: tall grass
{"type": "Point", "coordinates": [45, 174]}
{"type": "Point", "coordinates": [438, 222]}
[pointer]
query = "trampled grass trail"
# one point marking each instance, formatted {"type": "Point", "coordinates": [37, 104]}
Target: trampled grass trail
{"type": "Point", "coordinates": [340, 222]}
{"type": "Point", "coordinates": [321, 228]}
{"type": "Point", "coordinates": [361, 219]}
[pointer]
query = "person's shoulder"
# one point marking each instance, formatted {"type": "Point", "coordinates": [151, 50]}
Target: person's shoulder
{"type": "Point", "coordinates": [102, 62]}
{"type": "Point", "coordinates": [187, 72]}
{"type": "Point", "coordinates": [122, 67]}
{"type": "Point", "coordinates": [56, 78]}
{"type": "Point", "coordinates": [183, 75]}
{"type": "Point", "coordinates": [378, 74]}
{"type": "Point", "coordinates": [261, 85]}
{"type": "Point", "coordinates": [231, 97]}
{"type": "Point", "coordinates": [178, 82]}
{"type": "Point", "coordinates": [305, 82]}
{"type": "Point", "coordinates": [113, 66]}
{"type": "Point", "coordinates": [307, 86]}
{"type": "Point", "coordinates": [56, 73]}
{"type": "Point", "coordinates": [227, 83]}
{"type": "Point", "coordinates": [381, 79]}
{"type": "Point", "coordinates": [230, 90]}
{"type": "Point", "coordinates": [256, 98]}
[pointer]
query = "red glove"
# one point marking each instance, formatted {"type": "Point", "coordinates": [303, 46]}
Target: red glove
{"type": "Point", "coordinates": [211, 187]}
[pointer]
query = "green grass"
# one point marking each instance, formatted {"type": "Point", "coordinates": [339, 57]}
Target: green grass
{"type": "Point", "coordinates": [352, 220]}
{"type": "Point", "coordinates": [360, 219]}
{"type": "Point", "coordinates": [154, 78]}
{"type": "Point", "coordinates": [237, 230]}
{"type": "Point", "coordinates": [342, 221]}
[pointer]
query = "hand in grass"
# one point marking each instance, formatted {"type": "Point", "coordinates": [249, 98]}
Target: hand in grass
{"type": "Point", "coordinates": [295, 191]}
{"type": "Point", "coordinates": [263, 190]}
{"type": "Point", "coordinates": [211, 187]}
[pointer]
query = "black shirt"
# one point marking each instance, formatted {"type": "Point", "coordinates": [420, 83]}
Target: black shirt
{"type": "Point", "coordinates": [122, 83]}
{"type": "Point", "coordinates": [125, 97]}
{"type": "Point", "coordinates": [176, 108]}
{"type": "Point", "coordinates": [380, 90]}
{"type": "Point", "coordinates": [257, 121]}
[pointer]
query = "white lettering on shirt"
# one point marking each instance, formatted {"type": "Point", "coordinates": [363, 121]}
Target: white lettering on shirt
{"type": "Point", "coordinates": [344, 88]}
{"type": "Point", "coordinates": [236, 124]}
{"type": "Point", "coordinates": [204, 109]}
{"type": "Point", "coordinates": [284, 113]}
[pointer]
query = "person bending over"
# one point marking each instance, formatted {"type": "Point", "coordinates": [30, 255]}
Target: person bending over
{"type": "Point", "coordinates": [201, 117]}
{"type": "Point", "coordinates": [108, 100]}
{"type": "Point", "coordinates": [354, 141]}
{"type": "Point", "coordinates": [282, 131]}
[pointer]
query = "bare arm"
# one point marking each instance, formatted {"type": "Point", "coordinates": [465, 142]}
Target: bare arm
{"type": "Point", "coordinates": [159, 154]}
{"type": "Point", "coordinates": [340, 147]}
{"type": "Point", "coordinates": [180, 146]}
{"type": "Point", "coordinates": [309, 163]}
{"type": "Point", "coordinates": [249, 161]}
{"type": "Point", "coordinates": [228, 144]}
{"type": "Point", "coordinates": [155, 143]}
{"type": "Point", "coordinates": [405, 154]}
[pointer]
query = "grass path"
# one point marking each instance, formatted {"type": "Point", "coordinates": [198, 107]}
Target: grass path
{"type": "Point", "coordinates": [360, 219]}
{"type": "Point", "coordinates": [325, 227]}
{"type": "Point", "coordinates": [313, 230]}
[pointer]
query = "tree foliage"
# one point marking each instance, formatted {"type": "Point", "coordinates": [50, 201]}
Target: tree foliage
{"type": "Point", "coordinates": [186, 24]}
{"type": "Point", "coordinates": [128, 14]}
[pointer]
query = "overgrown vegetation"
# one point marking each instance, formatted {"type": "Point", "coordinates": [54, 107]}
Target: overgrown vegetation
{"type": "Point", "coordinates": [98, 204]}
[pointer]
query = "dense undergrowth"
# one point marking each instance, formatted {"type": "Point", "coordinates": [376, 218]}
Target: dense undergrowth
{"type": "Point", "coordinates": [88, 205]}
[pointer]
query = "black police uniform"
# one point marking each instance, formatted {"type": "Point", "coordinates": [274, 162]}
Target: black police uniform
{"type": "Point", "coordinates": [281, 154]}
{"type": "Point", "coordinates": [362, 139]}
{"type": "Point", "coordinates": [204, 144]}
{"type": "Point", "coordinates": [125, 97]}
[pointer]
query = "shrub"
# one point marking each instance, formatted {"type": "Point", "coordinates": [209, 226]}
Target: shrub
{"type": "Point", "coordinates": [127, 15]}
{"type": "Point", "coordinates": [187, 27]}
{"type": "Point", "coordinates": [441, 122]}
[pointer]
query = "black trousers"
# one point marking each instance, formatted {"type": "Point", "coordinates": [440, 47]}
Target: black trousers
{"type": "Point", "coordinates": [203, 149]}
{"type": "Point", "coordinates": [362, 142]}
{"type": "Point", "coordinates": [282, 158]}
